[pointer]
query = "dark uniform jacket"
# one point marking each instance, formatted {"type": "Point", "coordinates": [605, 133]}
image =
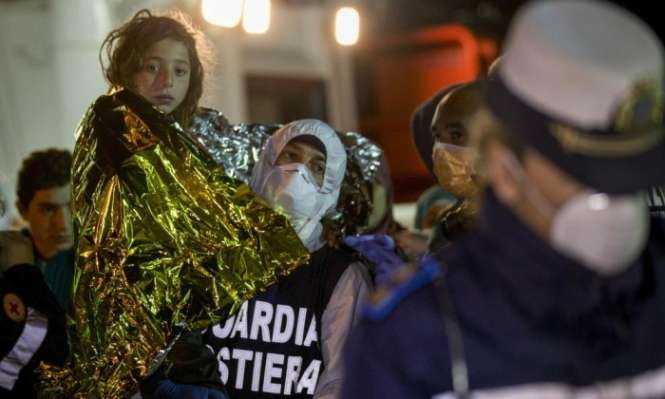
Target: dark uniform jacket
{"type": "Point", "coordinates": [532, 323]}
{"type": "Point", "coordinates": [32, 330]}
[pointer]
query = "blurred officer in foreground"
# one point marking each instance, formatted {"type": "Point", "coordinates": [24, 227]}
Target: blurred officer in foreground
{"type": "Point", "coordinates": [560, 292]}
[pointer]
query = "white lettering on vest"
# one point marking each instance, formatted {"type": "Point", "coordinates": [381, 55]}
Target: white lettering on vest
{"type": "Point", "coordinates": [293, 366]}
{"type": "Point", "coordinates": [274, 373]}
{"type": "Point", "coordinates": [311, 333]}
{"type": "Point", "coordinates": [310, 378]}
{"type": "Point", "coordinates": [241, 322]}
{"type": "Point", "coordinates": [279, 375]}
{"type": "Point", "coordinates": [271, 372]}
{"type": "Point", "coordinates": [241, 356]}
{"type": "Point", "coordinates": [256, 376]}
{"type": "Point", "coordinates": [263, 312]}
{"type": "Point", "coordinates": [284, 320]}
{"type": "Point", "coordinates": [223, 356]}
{"type": "Point", "coordinates": [300, 330]}
{"type": "Point", "coordinates": [223, 332]}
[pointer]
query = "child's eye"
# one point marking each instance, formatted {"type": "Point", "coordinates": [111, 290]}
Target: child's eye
{"type": "Point", "coordinates": [152, 67]}
{"type": "Point", "coordinates": [181, 72]}
{"type": "Point", "coordinates": [47, 210]}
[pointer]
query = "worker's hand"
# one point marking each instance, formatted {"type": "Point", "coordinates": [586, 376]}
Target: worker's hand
{"type": "Point", "coordinates": [414, 244]}
{"type": "Point", "coordinates": [378, 249]}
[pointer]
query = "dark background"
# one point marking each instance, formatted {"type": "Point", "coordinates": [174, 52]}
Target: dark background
{"type": "Point", "coordinates": [391, 80]}
{"type": "Point", "coordinates": [485, 17]}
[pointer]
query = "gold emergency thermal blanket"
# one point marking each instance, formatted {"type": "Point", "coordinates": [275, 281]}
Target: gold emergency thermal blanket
{"type": "Point", "coordinates": [163, 238]}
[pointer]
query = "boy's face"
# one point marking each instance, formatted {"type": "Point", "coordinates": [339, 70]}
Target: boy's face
{"type": "Point", "coordinates": [306, 154]}
{"type": "Point", "coordinates": [453, 160]}
{"type": "Point", "coordinates": [164, 77]}
{"type": "Point", "coordinates": [50, 220]}
{"type": "Point", "coordinates": [451, 119]}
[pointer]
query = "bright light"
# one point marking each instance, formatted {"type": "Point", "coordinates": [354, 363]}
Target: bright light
{"type": "Point", "coordinates": [225, 13]}
{"type": "Point", "coordinates": [599, 202]}
{"type": "Point", "coordinates": [256, 17]}
{"type": "Point", "coordinates": [347, 26]}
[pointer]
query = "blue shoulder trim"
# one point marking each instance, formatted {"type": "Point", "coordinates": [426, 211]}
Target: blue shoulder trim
{"type": "Point", "coordinates": [388, 297]}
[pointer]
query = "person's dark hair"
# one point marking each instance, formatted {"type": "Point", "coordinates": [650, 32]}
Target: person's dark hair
{"type": "Point", "coordinates": [472, 93]}
{"type": "Point", "coordinates": [42, 170]}
{"type": "Point", "coordinates": [126, 46]}
{"type": "Point", "coordinates": [311, 141]}
{"type": "Point", "coordinates": [421, 126]}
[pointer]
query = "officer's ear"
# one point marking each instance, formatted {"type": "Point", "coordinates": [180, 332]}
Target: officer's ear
{"type": "Point", "coordinates": [503, 173]}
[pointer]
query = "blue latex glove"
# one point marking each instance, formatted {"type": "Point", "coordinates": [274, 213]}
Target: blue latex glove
{"type": "Point", "coordinates": [378, 249]}
{"type": "Point", "coordinates": [168, 389]}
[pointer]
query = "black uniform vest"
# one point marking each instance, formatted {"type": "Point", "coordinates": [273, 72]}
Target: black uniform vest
{"type": "Point", "coordinates": [271, 348]}
{"type": "Point", "coordinates": [22, 290]}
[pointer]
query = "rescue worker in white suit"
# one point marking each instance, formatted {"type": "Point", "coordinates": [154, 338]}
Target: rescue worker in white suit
{"type": "Point", "coordinates": [288, 340]}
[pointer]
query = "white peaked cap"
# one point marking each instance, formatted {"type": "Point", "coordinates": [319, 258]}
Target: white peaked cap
{"type": "Point", "coordinates": [576, 59]}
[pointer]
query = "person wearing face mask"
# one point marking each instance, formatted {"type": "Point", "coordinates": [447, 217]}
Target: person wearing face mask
{"type": "Point", "coordinates": [416, 243]}
{"type": "Point", "coordinates": [287, 341]}
{"type": "Point", "coordinates": [560, 290]}
{"type": "Point", "coordinates": [454, 161]}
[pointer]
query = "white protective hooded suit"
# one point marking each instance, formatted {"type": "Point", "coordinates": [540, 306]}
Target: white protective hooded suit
{"type": "Point", "coordinates": [292, 188]}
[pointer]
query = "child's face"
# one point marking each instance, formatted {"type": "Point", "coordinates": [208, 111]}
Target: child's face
{"type": "Point", "coordinates": [164, 78]}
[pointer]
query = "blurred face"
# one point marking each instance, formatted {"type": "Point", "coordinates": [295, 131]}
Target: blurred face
{"type": "Point", "coordinates": [515, 186]}
{"type": "Point", "coordinates": [50, 221]}
{"type": "Point", "coordinates": [601, 231]}
{"type": "Point", "coordinates": [306, 154]}
{"type": "Point", "coordinates": [164, 77]}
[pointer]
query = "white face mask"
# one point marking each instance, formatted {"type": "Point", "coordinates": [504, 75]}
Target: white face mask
{"type": "Point", "coordinates": [292, 189]}
{"type": "Point", "coordinates": [604, 233]}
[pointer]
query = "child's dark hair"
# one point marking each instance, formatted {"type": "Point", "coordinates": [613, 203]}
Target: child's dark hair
{"type": "Point", "coordinates": [126, 47]}
{"type": "Point", "coordinates": [42, 170]}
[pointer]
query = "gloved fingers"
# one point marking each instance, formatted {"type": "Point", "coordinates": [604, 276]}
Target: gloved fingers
{"type": "Point", "coordinates": [353, 241]}
{"type": "Point", "coordinates": [386, 241]}
{"type": "Point", "coordinates": [378, 249]}
{"type": "Point", "coordinates": [381, 240]}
